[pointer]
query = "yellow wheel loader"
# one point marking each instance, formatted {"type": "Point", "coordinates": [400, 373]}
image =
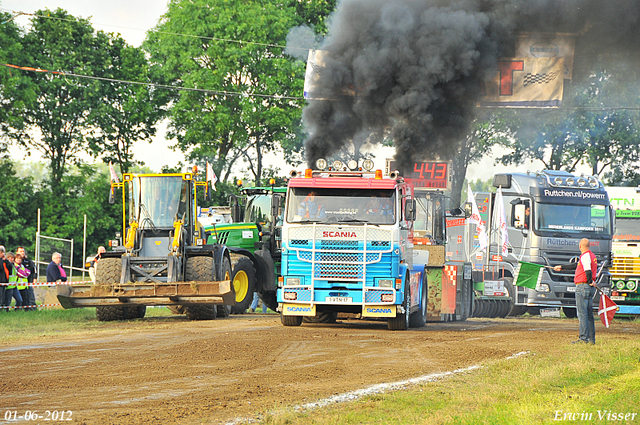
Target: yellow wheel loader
{"type": "Point", "coordinates": [164, 258]}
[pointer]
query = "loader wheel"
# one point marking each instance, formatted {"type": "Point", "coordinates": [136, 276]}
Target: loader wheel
{"type": "Point", "coordinates": [571, 313]}
{"type": "Point", "coordinates": [200, 269]}
{"type": "Point", "coordinates": [244, 283]}
{"type": "Point", "coordinates": [108, 272]}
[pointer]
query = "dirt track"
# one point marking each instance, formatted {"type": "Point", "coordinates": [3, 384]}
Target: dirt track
{"type": "Point", "coordinates": [179, 371]}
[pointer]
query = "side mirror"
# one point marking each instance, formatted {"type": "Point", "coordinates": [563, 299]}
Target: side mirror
{"type": "Point", "coordinates": [410, 210]}
{"type": "Point", "coordinates": [112, 196]}
{"type": "Point", "coordinates": [525, 232]}
{"type": "Point", "coordinates": [276, 200]}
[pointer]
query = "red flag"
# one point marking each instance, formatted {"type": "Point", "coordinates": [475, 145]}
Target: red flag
{"type": "Point", "coordinates": [607, 309]}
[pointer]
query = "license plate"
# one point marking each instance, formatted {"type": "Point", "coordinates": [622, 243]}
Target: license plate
{"type": "Point", "coordinates": [617, 298]}
{"type": "Point", "coordinates": [338, 300]}
{"type": "Point", "coordinates": [571, 289]}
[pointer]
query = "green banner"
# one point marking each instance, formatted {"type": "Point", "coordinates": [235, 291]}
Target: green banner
{"type": "Point", "coordinates": [528, 274]}
{"type": "Point", "coordinates": [628, 213]}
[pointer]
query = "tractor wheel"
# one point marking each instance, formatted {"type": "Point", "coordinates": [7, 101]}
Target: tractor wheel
{"type": "Point", "coordinates": [200, 269]}
{"type": "Point", "coordinates": [571, 313]}
{"type": "Point", "coordinates": [401, 322]}
{"type": "Point", "coordinates": [291, 320]}
{"type": "Point", "coordinates": [419, 318]}
{"type": "Point", "coordinates": [224, 310]}
{"type": "Point", "coordinates": [324, 317]}
{"type": "Point", "coordinates": [244, 283]}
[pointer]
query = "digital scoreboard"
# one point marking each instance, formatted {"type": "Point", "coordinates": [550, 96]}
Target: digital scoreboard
{"type": "Point", "coordinates": [427, 174]}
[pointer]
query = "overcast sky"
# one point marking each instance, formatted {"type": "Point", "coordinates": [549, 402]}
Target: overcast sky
{"type": "Point", "coordinates": [132, 19]}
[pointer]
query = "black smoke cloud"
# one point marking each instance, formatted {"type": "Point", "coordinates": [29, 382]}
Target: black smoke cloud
{"type": "Point", "coordinates": [416, 67]}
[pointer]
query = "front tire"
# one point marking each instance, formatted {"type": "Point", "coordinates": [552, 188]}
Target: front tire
{"type": "Point", "coordinates": [108, 272]}
{"type": "Point", "coordinates": [200, 269]}
{"type": "Point", "coordinates": [571, 313]}
{"type": "Point", "coordinates": [244, 281]}
{"type": "Point", "coordinates": [401, 322]}
{"type": "Point", "coordinates": [291, 320]}
{"type": "Point", "coordinates": [419, 318]}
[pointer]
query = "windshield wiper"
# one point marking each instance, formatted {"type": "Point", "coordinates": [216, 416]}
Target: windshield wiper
{"type": "Point", "coordinates": [355, 220]}
{"type": "Point", "coordinates": [562, 235]}
{"type": "Point", "coordinates": [306, 222]}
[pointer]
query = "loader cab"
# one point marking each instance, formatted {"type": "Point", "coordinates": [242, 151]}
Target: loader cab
{"type": "Point", "coordinates": [156, 202]}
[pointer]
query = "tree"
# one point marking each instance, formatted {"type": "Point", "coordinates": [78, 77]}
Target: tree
{"type": "Point", "coordinates": [486, 132]}
{"type": "Point", "coordinates": [597, 125]}
{"type": "Point", "coordinates": [218, 126]}
{"type": "Point", "coordinates": [127, 113]}
{"type": "Point", "coordinates": [15, 89]}
{"type": "Point", "coordinates": [60, 113]}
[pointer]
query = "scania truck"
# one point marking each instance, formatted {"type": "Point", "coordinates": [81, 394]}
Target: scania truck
{"type": "Point", "coordinates": [348, 248]}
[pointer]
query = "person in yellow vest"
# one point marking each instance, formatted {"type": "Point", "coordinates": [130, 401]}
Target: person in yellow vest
{"type": "Point", "coordinates": [12, 290]}
{"type": "Point", "coordinates": [23, 278]}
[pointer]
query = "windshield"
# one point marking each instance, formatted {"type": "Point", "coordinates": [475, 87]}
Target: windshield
{"type": "Point", "coordinates": [341, 205]}
{"type": "Point", "coordinates": [627, 226]}
{"type": "Point", "coordinates": [157, 201]}
{"type": "Point", "coordinates": [573, 219]}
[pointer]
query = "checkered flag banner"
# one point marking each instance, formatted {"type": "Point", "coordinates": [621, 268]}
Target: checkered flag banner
{"type": "Point", "coordinates": [539, 78]}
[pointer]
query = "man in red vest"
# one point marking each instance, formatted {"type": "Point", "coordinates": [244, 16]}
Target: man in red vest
{"type": "Point", "coordinates": [586, 269]}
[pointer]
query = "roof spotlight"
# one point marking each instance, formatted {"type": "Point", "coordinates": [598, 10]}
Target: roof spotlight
{"type": "Point", "coordinates": [593, 182]}
{"type": "Point", "coordinates": [367, 164]}
{"type": "Point", "coordinates": [570, 181]}
{"type": "Point", "coordinates": [352, 164]}
{"type": "Point", "coordinates": [582, 182]}
{"type": "Point", "coordinates": [321, 164]}
{"type": "Point", "coordinates": [557, 181]}
{"type": "Point", "coordinates": [337, 164]}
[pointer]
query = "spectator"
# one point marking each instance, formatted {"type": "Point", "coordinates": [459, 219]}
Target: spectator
{"type": "Point", "coordinates": [12, 290]}
{"type": "Point", "coordinates": [28, 295]}
{"type": "Point", "coordinates": [254, 304]}
{"type": "Point", "coordinates": [22, 278]}
{"type": "Point", "coordinates": [4, 277]}
{"type": "Point", "coordinates": [55, 272]}
{"type": "Point", "coordinates": [586, 271]}
{"type": "Point", "coordinates": [94, 262]}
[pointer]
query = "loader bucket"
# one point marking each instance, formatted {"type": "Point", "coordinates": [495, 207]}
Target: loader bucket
{"type": "Point", "coordinates": [175, 293]}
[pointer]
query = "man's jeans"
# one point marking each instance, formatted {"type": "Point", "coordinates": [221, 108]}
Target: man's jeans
{"type": "Point", "coordinates": [584, 305]}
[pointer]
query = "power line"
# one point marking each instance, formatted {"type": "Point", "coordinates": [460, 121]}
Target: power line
{"type": "Point", "coordinates": [160, 86]}
{"type": "Point", "coordinates": [226, 40]}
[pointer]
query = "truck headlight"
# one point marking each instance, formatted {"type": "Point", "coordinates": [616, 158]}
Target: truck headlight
{"type": "Point", "coordinates": [620, 284]}
{"type": "Point", "coordinates": [292, 281]}
{"type": "Point", "coordinates": [542, 287]}
{"type": "Point", "coordinates": [632, 285]}
{"type": "Point", "coordinates": [385, 283]}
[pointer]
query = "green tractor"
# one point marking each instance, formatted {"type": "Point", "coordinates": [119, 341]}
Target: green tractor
{"type": "Point", "coordinates": [254, 240]}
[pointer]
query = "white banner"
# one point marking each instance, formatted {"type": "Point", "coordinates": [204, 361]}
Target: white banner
{"type": "Point", "coordinates": [475, 218]}
{"type": "Point", "coordinates": [525, 83]}
{"type": "Point", "coordinates": [502, 223]}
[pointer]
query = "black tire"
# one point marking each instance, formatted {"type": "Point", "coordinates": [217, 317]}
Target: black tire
{"type": "Point", "coordinates": [466, 295]}
{"type": "Point", "coordinates": [477, 304]}
{"type": "Point", "coordinates": [419, 318]}
{"type": "Point", "coordinates": [518, 310]}
{"type": "Point", "coordinates": [324, 317]}
{"type": "Point", "coordinates": [482, 307]}
{"type": "Point", "coordinates": [201, 269]}
{"type": "Point", "coordinates": [511, 303]}
{"type": "Point", "coordinates": [244, 284]}
{"type": "Point", "coordinates": [571, 313]}
{"type": "Point", "coordinates": [401, 322]}
{"type": "Point", "coordinates": [108, 272]}
{"type": "Point", "coordinates": [291, 320]}
{"type": "Point", "coordinates": [270, 300]}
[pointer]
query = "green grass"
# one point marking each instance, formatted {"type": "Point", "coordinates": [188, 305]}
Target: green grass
{"type": "Point", "coordinates": [524, 390]}
{"type": "Point", "coordinates": [25, 325]}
